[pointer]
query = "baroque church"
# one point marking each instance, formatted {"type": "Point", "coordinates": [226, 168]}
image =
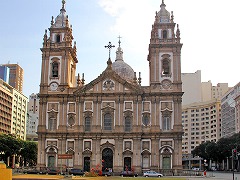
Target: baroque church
{"type": "Point", "coordinates": [112, 122]}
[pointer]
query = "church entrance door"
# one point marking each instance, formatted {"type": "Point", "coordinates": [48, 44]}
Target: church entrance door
{"type": "Point", "coordinates": [51, 161]}
{"type": "Point", "coordinates": [107, 159]}
{"type": "Point", "coordinates": [86, 164]}
{"type": "Point", "coordinates": [127, 164]}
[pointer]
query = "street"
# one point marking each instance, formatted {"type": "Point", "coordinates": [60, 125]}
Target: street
{"type": "Point", "coordinates": [218, 176]}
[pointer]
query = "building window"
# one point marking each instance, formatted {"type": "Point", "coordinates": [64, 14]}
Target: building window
{"type": "Point", "coordinates": [54, 69]}
{"type": "Point", "coordinates": [87, 124]}
{"type": "Point", "coordinates": [166, 123]}
{"type": "Point", "coordinates": [52, 124]}
{"type": "Point", "coordinates": [107, 122]}
{"type": "Point", "coordinates": [58, 38]}
{"type": "Point", "coordinates": [165, 67]}
{"type": "Point", "coordinates": [128, 124]}
{"type": "Point", "coordinates": [164, 34]}
{"type": "Point", "coordinates": [146, 119]}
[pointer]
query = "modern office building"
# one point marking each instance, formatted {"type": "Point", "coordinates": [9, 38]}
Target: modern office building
{"type": "Point", "coordinates": [4, 73]}
{"type": "Point", "coordinates": [230, 111]}
{"type": "Point", "coordinates": [113, 120]}
{"type": "Point", "coordinates": [15, 76]}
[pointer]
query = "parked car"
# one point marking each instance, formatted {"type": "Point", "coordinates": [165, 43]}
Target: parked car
{"type": "Point", "coordinates": [152, 174]}
{"type": "Point", "coordinates": [196, 169]}
{"type": "Point", "coordinates": [106, 173]}
{"type": "Point", "coordinates": [53, 171]}
{"type": "Point", "coordinates": [128, 174]}
{"type": "Point", "coordinates": [76, 171]}
{"type": "Point", "coordinates": [31, 171]}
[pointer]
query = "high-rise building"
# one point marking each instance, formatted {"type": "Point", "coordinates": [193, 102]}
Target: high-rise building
{"type": "Point", "coordinates": [15, 76]}
{"type": "Point", "coordinates": [19, 114]}
{"type": "Point", "coordinates": [32, 118]}
{"type": "Point", "coordinates": [201, 123]}
{"type": "Point", "coordinates": [13, 116]}
{"type": "Point", "coordinates": [230, 111]}
{"type": "Point", "coordinates": [4, 73]}
{"type": "Point", "coordinates": [191, 87]}
{"type": "Point", "coordinates": [210, 92]}
{"type": "Point", "coordinates": [113, 120]}
{"type": "Point", "coordinates": [6, 97]}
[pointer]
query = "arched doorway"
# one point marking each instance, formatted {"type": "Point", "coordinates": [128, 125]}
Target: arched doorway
{"type": "Point", "coordinates": [51, 161]}
{"type": "Point", "coordinates": [86, 164]}
{"type": "Point", "coordinates": [166, 158]}
{"type": "Point", "coordinates": [127, 164]}
{"type": "Point", "coordinates": [51, 157]}
{"type": "Point", "coordinates": [107, 159]}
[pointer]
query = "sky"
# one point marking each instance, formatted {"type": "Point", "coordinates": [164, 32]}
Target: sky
{"type": "Point", "coordinates": [209, 33]}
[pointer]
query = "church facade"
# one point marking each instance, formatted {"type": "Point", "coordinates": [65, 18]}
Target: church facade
{"type": "Point", "coordinates": [113, 122]}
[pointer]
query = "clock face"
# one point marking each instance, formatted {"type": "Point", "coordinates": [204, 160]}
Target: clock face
{"type": "Point", "coordinates": [53, 86]}
{"type": "Point", "coordinates": [166, 84]}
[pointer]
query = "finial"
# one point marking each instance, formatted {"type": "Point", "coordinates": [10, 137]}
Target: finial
{"type": "Point", "coordinates": [109, 46]}
{"type": "Point", "coordinates": [135, 78]}
{"type": "Point", "coordinates": [78, 80]}
{"type": "Point", "coordinates": [119, 41]}
{"type": "Point", "coordinates": [139, 78]}
{"type": "Point", "coordinates": [178, 32]}
{"type": "Point", "coordinates": [52, 21]}
{"type": "Point", "coordinates": [83, 80]}
{"type": "Point", "coordinates": [63, 4]}
{"type": "Point", "coordinates": [109, 63]}
{"type": "Point", "coordinates": [172, 17]}
{"type": "Point", "coordinates": [67, 25]}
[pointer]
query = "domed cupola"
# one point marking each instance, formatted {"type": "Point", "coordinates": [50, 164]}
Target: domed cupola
{"type": "Point", "coordinates": [60, 20]}
{"type": "Point", "coordinates": [122, 68]}
{"type": "Point", "coordinates": [163, 14]}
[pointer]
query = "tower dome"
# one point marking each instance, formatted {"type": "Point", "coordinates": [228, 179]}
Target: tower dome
{"type": "Point", "coordinates": [122, 68]}
{"type": "Point", "coordinates": [60, 20]}
{"type": "Point", "coordinates": [163, 14]}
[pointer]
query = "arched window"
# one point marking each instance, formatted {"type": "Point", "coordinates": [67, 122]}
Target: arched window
{"type": "Point", "coordinates": [164, 34]}
{"type": "Point", "coordinates": [128, 124]}
{"type": "Point", "coordinates": [146, 120]}
{"type": "Point", "coordinates": [107, 122]}
{"type": "Point", "coordinates": [55, 69]}
{"type": "Point", "coordinates": [166, 122]}
{"type": "Point", "coordinates": [165, 67]}
{"type": "Point", "coordinates": [87, 124]}
{"type": "Point", "coordinates": [58, 38]}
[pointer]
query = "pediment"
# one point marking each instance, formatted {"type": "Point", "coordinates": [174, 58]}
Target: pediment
{"type": "Point", "coordinates": [109, 82]}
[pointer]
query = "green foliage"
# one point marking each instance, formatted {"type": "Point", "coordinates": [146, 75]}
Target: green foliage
{"type": "Point", "coordinates": [11, 145]}
{"type": "Point", "coordinates": [218, 151]}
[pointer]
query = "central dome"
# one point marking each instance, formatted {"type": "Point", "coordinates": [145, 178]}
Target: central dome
{"type": "Point", "coordinates": [122, 68]}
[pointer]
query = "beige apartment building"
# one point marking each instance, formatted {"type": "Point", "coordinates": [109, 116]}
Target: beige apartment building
{"type": "Point", "coordinates": [113, 121]}
{"type": "Point", "coordinates": [19, 114]}
{"type": "Point", "coordinates": [201, 123]}
{"type": "Point", "coordinates": [13, 111]}
{"type": "Point", "coordinates": [6, 97]}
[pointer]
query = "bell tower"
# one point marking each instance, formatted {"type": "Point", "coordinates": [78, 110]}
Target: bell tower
{"type": "Point", "coordinates": [165, 51]}
{"type": "Point", "coordinates": [58, 55]}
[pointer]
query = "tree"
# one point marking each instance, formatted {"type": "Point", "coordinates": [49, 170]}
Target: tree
{"type": "Point", "coordinates": [10, 145]}
{"type": "Point", "coordinates": [29, 153]}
